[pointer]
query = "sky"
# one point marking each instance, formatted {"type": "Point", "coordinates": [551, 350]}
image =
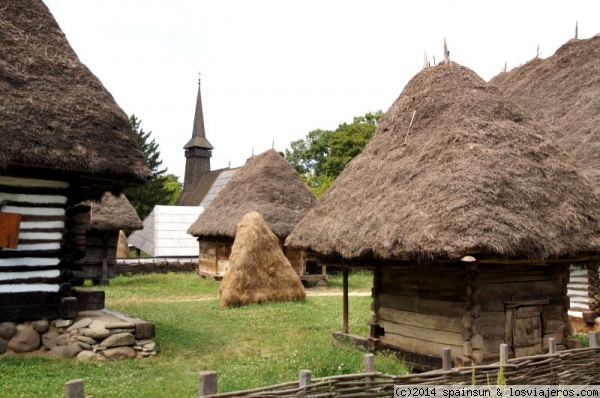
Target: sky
{"type": "Point", "coordinates": [272, 70]}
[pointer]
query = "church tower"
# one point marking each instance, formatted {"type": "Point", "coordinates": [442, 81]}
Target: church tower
{"type": "Point", "coordinates": [197, 151]}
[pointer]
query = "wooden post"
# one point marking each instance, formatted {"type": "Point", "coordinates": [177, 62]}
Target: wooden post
{"type": "Point", "coordinates": [503, 354]}
{"type": "Point", "coordinates": [593, 339]}
{"type": "Point", "coordinates": [345, 326]}
{"type": "Point", "coordinates": [74, 389]}
{"type": "Point", "coordinates": [304, 378]}
{"type": "Point", "coordinates": [208, 383]}
{"type": "Point", "coordinates": [551, 345]}
{"type": "Point", "coordinates": [104, 277]}
{"type": "Point", "coordinates": [446, 359]}
{"type": "Point", "coordinates": [369, 363]}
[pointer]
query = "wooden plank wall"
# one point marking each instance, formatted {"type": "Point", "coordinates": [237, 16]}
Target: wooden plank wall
{"type": "Point", "coordinates": [421, 308]}
{"type": "Point", "coordinates": [34, 266]}
{"type": "Point", "coordinates": [214, 257]}
{"type": "Point", "coordinates": [498, 284]}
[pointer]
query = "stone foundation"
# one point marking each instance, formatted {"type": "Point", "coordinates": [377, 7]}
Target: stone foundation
{"type": "Point", "coordinates": [102, 334]}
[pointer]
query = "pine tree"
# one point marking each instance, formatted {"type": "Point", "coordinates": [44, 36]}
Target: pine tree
{"type": "Point", "coordinates": [162, 188]}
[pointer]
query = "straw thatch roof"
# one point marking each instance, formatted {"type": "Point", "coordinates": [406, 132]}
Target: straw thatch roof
{"type": "Point", "coordinates": [258, 270]}
{"type": "Point", "coordinates": [54, 113]}
{"type": "Point", "coordinates": [562, 92]}
{"type": "Point", "coordinates": [455, 169]}
{"type": "Point", "coordinates": [113, 213]}
{"type": "Point", "coordinates": [267, 183]}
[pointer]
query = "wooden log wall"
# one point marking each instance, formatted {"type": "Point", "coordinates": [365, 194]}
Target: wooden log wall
{"type": "Point", "coordinates": [532, 290]}
{"type": "Point", "coordinates": [584, 292]}
{"type": "Point", "coordinates": [31, 274]}
{"type": "Point", "coordinates": [420, 308]}
{"type": "Point", "coordinates": [96, 250]}
{"type": "Point", "coordinates": [214, 257]}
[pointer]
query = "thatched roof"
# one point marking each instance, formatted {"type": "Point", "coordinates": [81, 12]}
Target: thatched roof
{"type": "Point", "coordinates": [258, 270]}
{"type": "Point", "coordinates": [562, 92]}
{"type": "Point", "coordinates": [54, 113]}
{"type": "Point", "coordinates": [268, 184]}
{"type": "Point", "coordinates": [113, 213]}
{"type": "Point", "coordinates": [455, 169]}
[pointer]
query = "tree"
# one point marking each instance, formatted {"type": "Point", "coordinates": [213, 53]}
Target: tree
{"type": "Point", "coordinates": [323, 154]}
{"type": "Point", "coordinates": [162, 188]}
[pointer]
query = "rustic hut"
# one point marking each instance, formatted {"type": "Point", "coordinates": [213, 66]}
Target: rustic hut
{"type": "Point", "coordinates": [268, 184]}
{"type": "Point", "coordinates": [259, 271]}
{"type": "Point", "coordinates": [469, 218]}
{"type": "Point", "coordinates": [64, 140]}
{"type": "Point", "coordinates": [562, 92]}
{"type": "Point", "coordinates": [107, 217]}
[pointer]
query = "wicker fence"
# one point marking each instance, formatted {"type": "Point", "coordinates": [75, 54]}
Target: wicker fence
{"type": "Point", "coordinates": [579, 366]}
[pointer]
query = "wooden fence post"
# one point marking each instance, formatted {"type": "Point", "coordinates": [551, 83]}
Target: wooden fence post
{"type": "Point", "coordinates": [503, 354]}
{"type": "Point", "coordinates": [551, 345]}
{"type": "Point", "coordinates": [446, 358]}
{"type": "Point", "coordinates": [304, 378]}
{"type": "Point", "coordinates": [369, 363]}
{"type": "Point", "coordinates": [208, 383]}
{"type": "Point", "coordinates": [593, 339]}
{"type": "Point", "coordinates": [74, 389]}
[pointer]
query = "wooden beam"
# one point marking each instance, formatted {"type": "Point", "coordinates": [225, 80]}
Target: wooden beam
{"type": "Point", "coordinates": [345, 326]}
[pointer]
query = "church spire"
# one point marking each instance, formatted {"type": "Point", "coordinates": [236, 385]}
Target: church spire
{"type": "Point", "coordinates": [198, 150]}
{"type": "Point", "coordinates": [198, 132]}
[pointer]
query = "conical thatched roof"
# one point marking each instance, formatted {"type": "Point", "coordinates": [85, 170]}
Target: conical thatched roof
{"type": "Point", "coordinates": [267, 183]}
{"type": "Point", "coordinates": [455, 169]}
{"type": "Point", "coordinates": [562, 93]}
{"type": "Point", "coordinates": [258, 270]}
{"type": "Point", "coordinates": [113, 213]}
{"type": "Point", "coordinates": [54, 113]}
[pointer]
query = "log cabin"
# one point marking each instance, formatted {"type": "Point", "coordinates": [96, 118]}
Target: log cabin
{"type": "Point", "coordinates": [268, 184]}
{"type": "Point", "coordinates": [469, 217]}
{"type": "Point", "coordinates": [562, 92]}
{"type": "Point", "coordinates": [64, 141]}
{"type": "Point", "coordinates": [107, 217]}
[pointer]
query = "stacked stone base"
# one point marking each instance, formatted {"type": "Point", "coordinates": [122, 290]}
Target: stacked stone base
{"type": "Point", "coordinates": [97, 335]}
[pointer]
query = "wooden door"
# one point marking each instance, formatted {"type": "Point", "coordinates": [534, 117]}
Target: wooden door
{"type": "Point", "coordinates": [527, 331]}
{"type": "Point", "coordinates": [9, 230]}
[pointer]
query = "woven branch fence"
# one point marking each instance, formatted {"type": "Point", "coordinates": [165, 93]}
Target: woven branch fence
{"type": "Point", "coordinates": [580, 366]}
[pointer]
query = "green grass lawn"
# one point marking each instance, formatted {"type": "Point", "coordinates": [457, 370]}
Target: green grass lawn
{"type": "Point", "coordinates": [249, 346]}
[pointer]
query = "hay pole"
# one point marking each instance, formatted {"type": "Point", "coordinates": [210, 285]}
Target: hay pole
{"type": "Point", "coordinates": [409, 126]}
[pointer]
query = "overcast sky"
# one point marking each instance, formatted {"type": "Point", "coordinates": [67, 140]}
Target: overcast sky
{"type": "Point", "coordinates": [273, 70]}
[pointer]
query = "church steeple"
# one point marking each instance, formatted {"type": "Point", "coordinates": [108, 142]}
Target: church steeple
{"type": "Point", "coordinates": [198, 150]}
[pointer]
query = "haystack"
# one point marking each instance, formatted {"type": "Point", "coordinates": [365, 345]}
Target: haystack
{"type": "Point", "coordinates": [562, 92]}
{"type": "Point", "coordinates": [122, 246]}
{"type": "Point", "coordinates": [268, 184]}
{"type": "Point", "coordinates": [469, 216]}
{"type": "Point", "coordinates": [258, 272]}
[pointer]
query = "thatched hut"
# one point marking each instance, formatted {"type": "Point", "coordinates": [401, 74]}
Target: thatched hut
{"type": "Point", "coordinates": [107, 218]}
{"type": "Point", "coordinates": [268, 184]}
{"type": "Point", "coordinates": [562, 92]}
{"type": "Point", "coordinates": [259, 270]}
{"type": "Point", "coordinates": [469, 217]}
{"type": "Point", "coordinates": [64, 140]}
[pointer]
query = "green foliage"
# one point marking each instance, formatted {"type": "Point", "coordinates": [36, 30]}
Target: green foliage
{"type": "Point", "coordinates": [162, 188]}
{"type": "Point", "coordinates": [250, 346]}
{"type": "Point", "coordinates": [323, 154]}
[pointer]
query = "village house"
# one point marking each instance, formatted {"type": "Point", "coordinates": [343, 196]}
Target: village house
{"type": "Point", "coordinates": [64, 141]}
{"type": "Point", "coordinates": [562, 92]}
{"type": "Point", "coordinates": [468, 215]}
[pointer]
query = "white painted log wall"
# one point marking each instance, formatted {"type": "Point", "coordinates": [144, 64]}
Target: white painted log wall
{"type": "Point", "coordinates": [24, 203]}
